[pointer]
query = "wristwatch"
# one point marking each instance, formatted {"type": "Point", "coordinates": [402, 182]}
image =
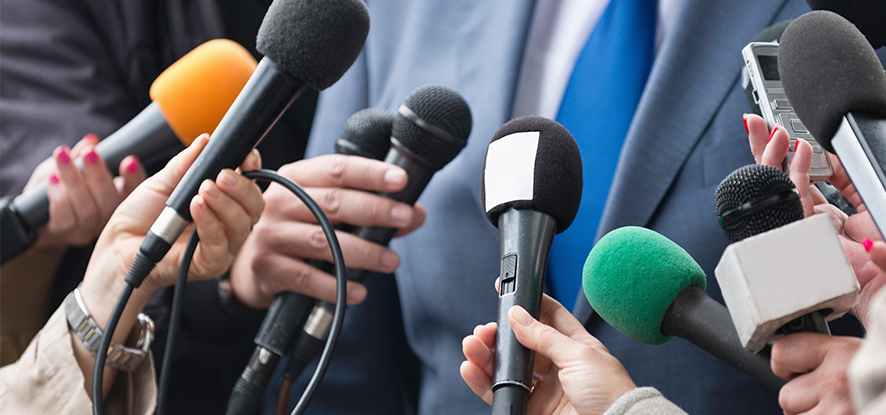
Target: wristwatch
{"type": "Point", "coordinates": [85, 328]}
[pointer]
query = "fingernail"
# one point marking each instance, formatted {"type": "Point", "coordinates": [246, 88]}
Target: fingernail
{"type": "Point", "coordinates": [53, 179]}
{"type": "Point", "coordinates": [210, 188]}
{"type": "Point", "coordinates": [772, 133]}
{"type": "Point", "coordinates": [200, 201]}
{"type": "Point", "coordinates": [91, 156]}
{"type": "Point", "coordinates": [401, 215]}
{"type": "Point", "coordinates": [132, 167]}
{"type": "Point", "coordinates": [868, 244]}
{"type": "Point", "coordinates": [744, 119]}
{"type": "Point", "coordinates": [229, 178]}
{"type": "Point", "coordinates": [63, 155]}
{"type": "Point", "coordinates": [521, 316]}
{"type": "Point", "coordinates": [257, 162]}
{"type": "Point", "coordinates": [358, 293]}
{"type": "Point", "coordinates": [394, 177]}
{"type": "Point", "coordinates": [91, 138]}
{"type": "Point", "coordinates": [796, 145]}
{"type": "Point", "coordinates": [390, 260]}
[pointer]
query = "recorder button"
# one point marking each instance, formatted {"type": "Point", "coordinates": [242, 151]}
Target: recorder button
{"type": "Point", "coordinates": [798, 127]}
{"type": "Point", "coordinates": [781, 104]}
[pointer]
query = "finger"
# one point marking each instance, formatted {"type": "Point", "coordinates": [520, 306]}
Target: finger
{"type": "Point", "coordinates": [560, 319]}
{"type": "Point", "coordinates": [307, 241]}
{"type": "Point", "coordinates": [799, 174]}
{"type": "Point", "coordinates": [340, 205]}
{"type": "Point", "coordinates": [798, 353]}
{"type": "Point", "coordinates": [85, 211]}
{"type": "Point", "coordinates": [234, 221]}
{"type": "Point", "coordinates": [477, 380]}
{"type": "Point", "coordinates": [799, 395]}
{"type": "Point", "coordinates": [878, 253]}
{"type": "Point", "coordinates": [251, 162]}
{"type": "Point", "coordinates": [418, 218]}
{"type": "Point", "coordinates": [758, 134]}
{"type": "Point", "coordinates": [212, 254]}
{"type": "Point", "coordinates": [243, 193]}
{"type": "Point", "coordinates": [479, 353]}
{"type": "Point", "coordinates": [546, 341]}
{"type": "Point", "coordinates": [100, 184]}
{"type": "Point", "coordinates": [87, 140]}
{"type": "Point", "coordinates": [167, 178]}
{"type": "Point", "coordinates": [336, 170]}
{"type": "Point", "coordinates": [486, 333]}
{"type": "Point", "coordinates": [132, 173]}
{"type": "Point", "coordinates": [61, 213]}
{"type": "Point", "coordinates": [274, 273]}
{"type": "Point", "coordinates": [777, 148]}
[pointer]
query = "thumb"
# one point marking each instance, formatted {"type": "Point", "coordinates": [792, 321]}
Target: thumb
{"type": "Point", "coordinates": [167, 179]}
{"type": "Point", "coordinates": [545, 340]}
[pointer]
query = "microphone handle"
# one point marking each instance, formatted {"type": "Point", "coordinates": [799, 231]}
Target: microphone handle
{"type": "Point", "coordinates": [697, 317]}
{"type": "Point", "coordinates": [144, 136]}
{"type": "Point", "coordinates": [860, 143]}
{"type": "Point", "coordinates": [526, 238]}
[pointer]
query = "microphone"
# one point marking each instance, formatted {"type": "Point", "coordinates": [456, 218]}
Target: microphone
{"type": "Point", "coordinates": [837, 87]}
{"type": "Point", "coordinates": [650, 289]}
{"type": "Point", "coordinates": [530, 189]}
{"type": "Point", "coordinates": [430, 128]}
{"type": "Point", "coordinates": [782, 274]}
{"type": "Point", "coordinates": [305, 43]}
{"type": "Point", "coordinates": [190, 98]}
{"type": "Point", "coordinates": [367, 133]}
{"type": "Point", "coordinates": [867, 15]}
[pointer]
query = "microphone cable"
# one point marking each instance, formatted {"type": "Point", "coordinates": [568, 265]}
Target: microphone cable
{"type": "Point", "coordinates": [140, 266]}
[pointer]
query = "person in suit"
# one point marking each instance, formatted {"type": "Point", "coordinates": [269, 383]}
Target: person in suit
{"type": "Point", "coordinates": [685, 136]}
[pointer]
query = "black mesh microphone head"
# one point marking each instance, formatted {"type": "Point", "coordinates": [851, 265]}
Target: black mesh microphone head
{"type": "Point", "coordinates": [315, 41]}
{"type": "Point", "coordinates": [769, 34]}
{"type": "Point", "coordinates": [755, 199]}
{"type": "Point", "coordinates": [829, 69]}
{"type": "Point", "coordinates": [367, 134]}
{"type": "Point", "coordinates": [433, 123]}
{"type": "Point", "coordinates": [868, 15]}
{"type": "Point", "coordinates": [553, 175]}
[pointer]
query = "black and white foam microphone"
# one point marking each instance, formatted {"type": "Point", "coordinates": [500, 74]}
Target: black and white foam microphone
{"type": "Point", "coordinates": [837, 87]}
{"type": "Point", "coordinates": [367, 134]}
{"type": "Point", "coordinates": [530, 190]}
{"type": "Point", "coordinates": [782, 274]}
{"type": "Point", "coordinates": [430, 128]}
{"type": "Point", "coordinates": [305, 43]}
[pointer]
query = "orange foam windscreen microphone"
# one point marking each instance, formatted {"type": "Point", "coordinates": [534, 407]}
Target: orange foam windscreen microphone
{"type": "Point", "coordinates": [189, 98]}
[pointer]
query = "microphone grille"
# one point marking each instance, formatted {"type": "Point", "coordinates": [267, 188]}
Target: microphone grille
{"type": "Point", "coordinates": [434, 123]}
{"type": "Point", "coordinates": [367, 134]}
{"type": "Point", "coordinates": [755, 199]}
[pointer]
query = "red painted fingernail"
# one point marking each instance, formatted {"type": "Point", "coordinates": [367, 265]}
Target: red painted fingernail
{"type": "Point", "coordinates": [53, 179]}
{"type": "Point", "coordinates": [772, 133]}
{"type": "Point", "coordinates": [63, 155]}
{"type": "Point", "coordinates": [868, 244]}
{"type": "Point", "coordinates": [91, 138]}
{"type": "Point", "coordinates": [132, 167]}
{"type": "Point", "coordinates": [91, 156]}
{"type": "Point", "coordinates": [744, 119]}
{"type": "Point", "coordinates": [796, 145]}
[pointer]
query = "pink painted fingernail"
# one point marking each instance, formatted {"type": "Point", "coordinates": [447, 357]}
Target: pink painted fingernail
{"type": "Point", "coordinates": [744, 119]}
{"type": "Point", "coordinates": [868, 244]}
{"type": "Point", "coordinates": [132, 167]}
{"type": "Point", "coordinates": [63, 155]}
{"type": "Point", "coordinates": [772, 133]}
{"type": "Point", "coordinates": [91, 156]}
{"type": "Point", "coordinates": [91, 138]}
{"type": "Point", "coordinates": [53, 179]}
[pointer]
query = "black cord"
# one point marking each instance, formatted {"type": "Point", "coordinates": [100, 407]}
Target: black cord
{"type": "Point", "coordinates": [98, 370]}
{"type": "Point", "coordinates": [178, 294]}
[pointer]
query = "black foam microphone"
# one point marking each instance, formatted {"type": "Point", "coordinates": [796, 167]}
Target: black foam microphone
{"type": "Point", "coordinates": [530, 189]}
{"type": "Point", "coordinates": [367, 134]}
{"type": "Point", "coordinates": [305, 43]}
{"type": "Point", "coordinates": [430, 128]}
{"type": "Point", "coordinates": [837, 86]}
{"type": "Point", "coordinates": [869, 16]}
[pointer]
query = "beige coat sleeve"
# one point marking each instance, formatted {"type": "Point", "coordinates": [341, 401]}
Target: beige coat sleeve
{"type": "Point", "coordinates": [46, 379]}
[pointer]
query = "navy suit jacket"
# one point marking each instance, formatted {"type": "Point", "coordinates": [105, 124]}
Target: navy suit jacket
{"type": "Point", "coordinates": [687, 135]}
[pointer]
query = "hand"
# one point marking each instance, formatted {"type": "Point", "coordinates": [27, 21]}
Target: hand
{"type": "Point", "coordinates": [223, 212]}
{"type": "Point", "coordinates": [272, 260]}
{"type": "Point", "coordinates": [815, 366]}
{"type": "Point", "coordinates": [577, 375]}
{"type": "Point", "coordinates": [81, 202]}
{"type": "Point", "coordinates": [852, 230]}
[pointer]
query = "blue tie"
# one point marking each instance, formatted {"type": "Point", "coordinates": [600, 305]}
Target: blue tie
{"type": "Point", "coordinates": [597, 108]}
